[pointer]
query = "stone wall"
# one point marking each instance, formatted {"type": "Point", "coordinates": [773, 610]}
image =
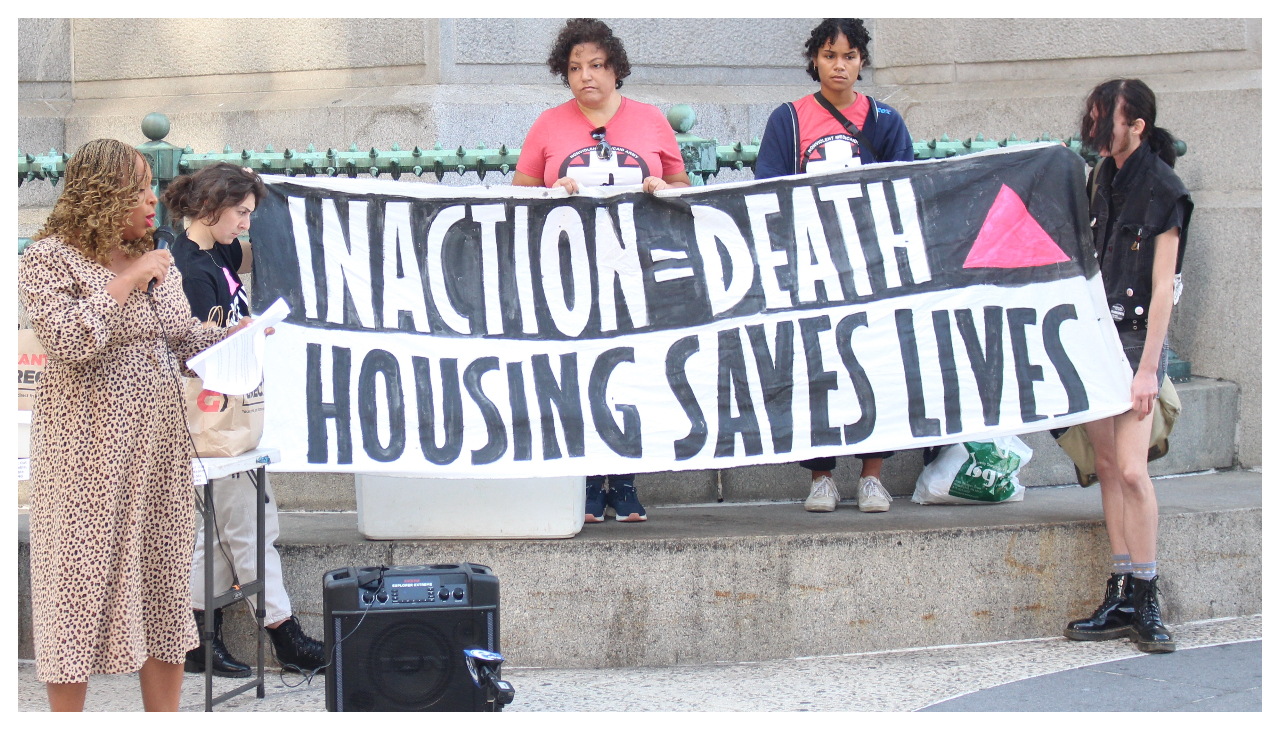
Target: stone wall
{"type": "Point", "coordinates": [461, 81]}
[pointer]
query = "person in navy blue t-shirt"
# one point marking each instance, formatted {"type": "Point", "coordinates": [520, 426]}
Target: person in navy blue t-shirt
{"type": "Point", "coordinates": [835, 128]}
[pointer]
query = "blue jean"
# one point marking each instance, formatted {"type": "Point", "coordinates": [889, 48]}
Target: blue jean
{"type": "Point", "coordinates": [615, 480]}
{"type": "Point", "coordinates": [1134, 343]}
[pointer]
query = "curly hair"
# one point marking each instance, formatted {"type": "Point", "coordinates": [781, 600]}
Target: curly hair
{"type": "Point", "coordinates": [828, 31]}
{"type": "Point", "coordinates": [204, 195]}
{"type": "Point", "coordinates": [588, 30]}
{"type": "Point", "coordinates": [100, 189]}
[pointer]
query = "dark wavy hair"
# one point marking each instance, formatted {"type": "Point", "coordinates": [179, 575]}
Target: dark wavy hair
{"type": "Point", "coordinates": [204, 195]}
{"type": "Point", "coordinates": [1139, 103]}
{"type": "Point", "coordinates": [828, 31]}
{"type": "Point", "coordinates": [588, 30]}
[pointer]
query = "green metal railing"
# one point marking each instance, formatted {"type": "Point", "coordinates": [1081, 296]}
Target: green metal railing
{"type": "Point", "coordinates": [703, 158]}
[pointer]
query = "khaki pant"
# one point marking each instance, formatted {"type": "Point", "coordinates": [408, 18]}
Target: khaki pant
{"type": "Point", "coordinates": [234, 504]}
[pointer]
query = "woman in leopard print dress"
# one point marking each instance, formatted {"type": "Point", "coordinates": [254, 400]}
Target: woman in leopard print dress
{"type": "Point", "coordinates": [112, 509]}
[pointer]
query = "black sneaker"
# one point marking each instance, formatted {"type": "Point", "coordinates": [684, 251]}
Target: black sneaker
{"type": "Point", "coordinates": [624, 501]}
{"type": "Point", "coordinates": [1112, 617]}
{"type": "Point", "coordinates": [595, 500]}
{"type": "Point", "coordinates": [1148, 630]}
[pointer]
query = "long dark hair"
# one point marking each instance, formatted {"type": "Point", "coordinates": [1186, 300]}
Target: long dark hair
{"type": "Point", "coordinates": [204, 195]}
{"type": "Point", "coordinates": [1139, 103]}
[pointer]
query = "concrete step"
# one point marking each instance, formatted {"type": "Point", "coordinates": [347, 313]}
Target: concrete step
{"type": "Point", "coordinates": [702, 584]}
{"type": "Point", "coordinates": [1204, 438]}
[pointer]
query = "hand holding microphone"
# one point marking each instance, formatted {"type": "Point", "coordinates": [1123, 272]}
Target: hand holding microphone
{"type": "Point", "coordinates": [163, 236]}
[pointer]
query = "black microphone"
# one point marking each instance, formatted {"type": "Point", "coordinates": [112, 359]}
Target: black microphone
{"type": "Point", "coordinates": [163, 236]}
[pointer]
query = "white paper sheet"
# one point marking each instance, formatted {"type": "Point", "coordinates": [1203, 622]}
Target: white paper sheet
{"type": "Point", "coordinates": [24, 469]}
{"type": "Point", "coordinates": [234, 366]}
{"type": "Point", "coordinates": [198, 475]}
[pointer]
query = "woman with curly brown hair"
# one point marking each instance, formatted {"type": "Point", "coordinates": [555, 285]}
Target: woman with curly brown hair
{"type": "Point", "coordinates": [218, 202]}
{"type": "Point", "coordinates": [599, 137]}
{"type": "Point", "coordinates": [112, 515]}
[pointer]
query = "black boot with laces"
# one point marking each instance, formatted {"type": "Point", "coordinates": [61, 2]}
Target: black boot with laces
{"type": "Point", "coordinates": [1112, 617]}
{"type": "Point", "coordinates": [1148, 630]}
{"type": "Point", "coordinates": [295, 650]}
{"type": "Point", "coordinates": [224, 665]}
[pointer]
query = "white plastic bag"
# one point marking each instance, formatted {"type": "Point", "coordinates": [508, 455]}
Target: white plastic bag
{"type": "Point", "coordinates": [974, 472]}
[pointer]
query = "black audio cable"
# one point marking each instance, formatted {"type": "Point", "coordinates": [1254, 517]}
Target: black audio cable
{"type": "Point", "coordinates": [201, 506]}
{"type": "Point", "coordinates": [309, 675]}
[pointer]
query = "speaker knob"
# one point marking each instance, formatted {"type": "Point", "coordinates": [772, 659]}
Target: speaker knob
{"type": "Point", "coordinates": [457, 593]}
{"type": "Point", "coordinates": [382, 598]}
{"type": "Point", "coordinates": [367, 598]}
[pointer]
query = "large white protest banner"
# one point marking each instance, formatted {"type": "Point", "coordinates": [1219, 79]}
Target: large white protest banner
{"type": "Point", "coordinates": [495, 332]}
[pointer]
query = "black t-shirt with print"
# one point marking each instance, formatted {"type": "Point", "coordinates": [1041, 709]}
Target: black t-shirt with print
{"type": "Point", "coordinates": [210, 281]}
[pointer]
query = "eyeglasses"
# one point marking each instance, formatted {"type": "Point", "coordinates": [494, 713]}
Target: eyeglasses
{"type": "Point", "coordinates": [603, 150]}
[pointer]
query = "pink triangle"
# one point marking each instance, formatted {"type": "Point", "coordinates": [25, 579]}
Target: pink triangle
{"type": "Point", "coordinates": [1011, 239]}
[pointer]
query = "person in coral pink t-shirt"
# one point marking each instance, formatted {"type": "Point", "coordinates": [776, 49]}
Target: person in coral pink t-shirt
{"type": "Point", "coordinates": [560, 145]}
{"type": "Point", "coordinates": [599, 138]}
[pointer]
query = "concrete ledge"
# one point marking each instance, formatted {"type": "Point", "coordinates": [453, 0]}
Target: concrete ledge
{"type": "Point", "coordinates": [744, 583]}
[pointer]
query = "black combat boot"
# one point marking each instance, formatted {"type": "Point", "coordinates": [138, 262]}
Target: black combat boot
{"type": "Point", "coordinates": [1112, 617]}
{"type": "Point", "coordinates": [224, 665]}
{"type": "Point", "coordinates": [295, 650]}
{"type": "Point", "coordinates": [1148, 631]}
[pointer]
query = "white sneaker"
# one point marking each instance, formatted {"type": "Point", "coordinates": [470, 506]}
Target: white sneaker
{"type": "Point", "coordinates": [872, 496]}
{"type": "Point", "coordinates": [822, 496]}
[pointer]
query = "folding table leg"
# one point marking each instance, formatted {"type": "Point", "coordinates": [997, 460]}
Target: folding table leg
{"type": "Point", "coordinates": [262, 579]}
{"type": "Point", "coordinates": [207, 630]}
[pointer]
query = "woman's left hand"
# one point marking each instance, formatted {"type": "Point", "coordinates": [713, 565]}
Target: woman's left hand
{"type": "Point", "coordinates": [653, 184]}
{"type": "Point", "coordinates": [1144, 392]}
{"type": "Point", "coordinates": [245, 322]}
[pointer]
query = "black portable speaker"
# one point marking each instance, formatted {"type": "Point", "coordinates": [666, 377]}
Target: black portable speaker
{"type": "Point", "coordinates": [395, 636]}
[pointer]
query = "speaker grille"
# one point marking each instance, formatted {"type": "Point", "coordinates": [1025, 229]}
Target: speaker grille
{"type": "Point", "coordinates": [409, 663]}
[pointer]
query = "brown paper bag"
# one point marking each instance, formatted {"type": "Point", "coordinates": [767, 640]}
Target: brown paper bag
{"type": "Point", "coordinates": [1167, 408]}
{"type": "Point", "coordinates": [31, 361]}
{"type": "Point", "coordinates": [223, 425]}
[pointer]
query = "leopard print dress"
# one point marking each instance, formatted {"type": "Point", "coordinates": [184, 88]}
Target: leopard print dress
{"type": "Point", "coordinates": [112, 508]}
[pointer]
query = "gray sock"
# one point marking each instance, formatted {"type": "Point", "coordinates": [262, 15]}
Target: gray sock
{"type": "Point", "coordinates": [1120, 564]}
{"type": "Point", "coordinates": [1145, 571]}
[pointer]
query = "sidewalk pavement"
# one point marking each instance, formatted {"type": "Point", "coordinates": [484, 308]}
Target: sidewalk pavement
{"type": "Point", "coordinates": [1222, 678]}
{"type": "Point", "coordinates": [1224, 673]}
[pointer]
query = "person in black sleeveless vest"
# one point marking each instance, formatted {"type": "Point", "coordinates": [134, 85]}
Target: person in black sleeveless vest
{"type": "Point", "coordinates": [1140, 210]}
